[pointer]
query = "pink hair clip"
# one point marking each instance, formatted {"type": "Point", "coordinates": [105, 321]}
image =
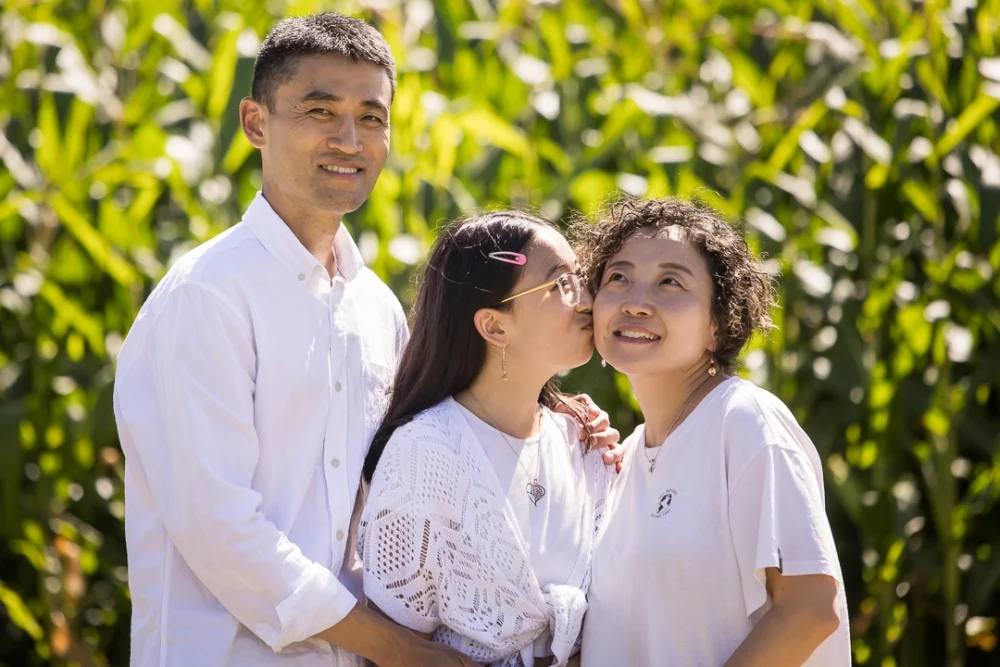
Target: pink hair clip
{"type": "Point", "coordinates": [509, 257]}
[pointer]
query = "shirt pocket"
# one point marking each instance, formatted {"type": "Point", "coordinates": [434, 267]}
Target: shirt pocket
{"type": "Point", "coordinates": [379, 379]}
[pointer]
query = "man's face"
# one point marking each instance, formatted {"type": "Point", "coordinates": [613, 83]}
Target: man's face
{"type": "Point", "coordinates": [326, 139]}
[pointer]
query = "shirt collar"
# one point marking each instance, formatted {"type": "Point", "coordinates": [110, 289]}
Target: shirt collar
{"type": "Point", "coordinates": [278, 239]}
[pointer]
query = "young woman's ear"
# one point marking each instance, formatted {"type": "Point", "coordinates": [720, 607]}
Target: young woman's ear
{"type": "Point", "coordinates": [489, 324]}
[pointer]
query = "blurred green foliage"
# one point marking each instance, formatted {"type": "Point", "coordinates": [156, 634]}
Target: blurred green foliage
{"type": "Point", "coordinates": [858, 139]}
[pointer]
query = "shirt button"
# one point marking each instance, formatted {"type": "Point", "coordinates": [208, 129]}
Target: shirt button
{"type": "Point", "coordinates": [340, 535]}
{"type": "Point", "coordinates": [335, 463]}
{"type": "Point", "coordinates": [337, 387]}
{"type": "Point", "coordinates": [302, 276]}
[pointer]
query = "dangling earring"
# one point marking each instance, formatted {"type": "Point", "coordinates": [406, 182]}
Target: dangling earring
{"type": "Point", "coordinates": [604, 362]}
{"type": "Point", "coordinates": [503, 362]}
{"type": "Point", "coordinates": [712, 370]}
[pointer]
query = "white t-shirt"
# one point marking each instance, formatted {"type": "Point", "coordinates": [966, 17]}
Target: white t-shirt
{"type": "Point", "coordinates": [679, 574]}
{"type": "Point", "coordinates": [552, 529]}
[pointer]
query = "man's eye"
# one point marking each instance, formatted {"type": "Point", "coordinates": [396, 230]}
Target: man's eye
{"type": "Point", "coordinates": [320, 111]}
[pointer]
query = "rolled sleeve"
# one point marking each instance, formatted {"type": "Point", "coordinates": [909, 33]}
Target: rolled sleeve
{"type": "Point", "coordinates": [318, 602]}
{"type": "Point", "coordinates": [185, 409]}
{"type": "Point", "coordinates": [778, 520]}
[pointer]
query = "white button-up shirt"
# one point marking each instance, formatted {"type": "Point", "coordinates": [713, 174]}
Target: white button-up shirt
{"type": "Point", "coordinates": [246, 396]}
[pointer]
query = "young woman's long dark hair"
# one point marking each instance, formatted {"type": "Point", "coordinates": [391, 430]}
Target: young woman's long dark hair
{"type": "Point", "coordinates": [446, 353]}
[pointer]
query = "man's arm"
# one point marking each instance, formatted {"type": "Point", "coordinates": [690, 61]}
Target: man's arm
{"type": "Point", "coordinates": [185, 410]}
{"type": "Point", "coordinates": [372, 635]}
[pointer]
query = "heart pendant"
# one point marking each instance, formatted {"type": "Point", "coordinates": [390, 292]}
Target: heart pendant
{"type": "Point", "coordinates": [535, 491]}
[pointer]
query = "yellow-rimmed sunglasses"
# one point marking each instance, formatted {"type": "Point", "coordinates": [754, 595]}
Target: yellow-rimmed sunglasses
{"type": "Point", "coordinates": [570, 289]}
{"type": "Point", "coordinates": [570, 284]}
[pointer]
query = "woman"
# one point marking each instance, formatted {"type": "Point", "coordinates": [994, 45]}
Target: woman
{"type": "Point", "coordinates": [483, 504]}
{"type": "Point", "coordinates": [720, 505]}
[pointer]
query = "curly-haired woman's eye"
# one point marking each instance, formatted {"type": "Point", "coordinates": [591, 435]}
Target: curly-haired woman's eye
{"type": "Point", "coordinates": [615, 277]}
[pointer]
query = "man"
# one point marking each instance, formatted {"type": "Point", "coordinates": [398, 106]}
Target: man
{"type": "Point", "coordinates": [253, 380]}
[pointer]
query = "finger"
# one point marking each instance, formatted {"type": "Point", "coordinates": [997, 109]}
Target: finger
{"type": "Point", "coordinates": [614, 454]}
{"type": "Point", "coordinates": [608, 438]}
{"type": "Point", "coordinates": [588, 402]}
{"type": "Point", "coordinates": [601, 423]}
{"type": "Point", "coordinates": [561, 408]}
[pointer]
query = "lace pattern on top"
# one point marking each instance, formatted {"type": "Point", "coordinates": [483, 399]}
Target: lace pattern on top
{"type": "Point", "coordinates": [442, 552]}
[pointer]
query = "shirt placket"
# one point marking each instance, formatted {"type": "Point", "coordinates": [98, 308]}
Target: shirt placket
{"type": "Point", "coordinates": [337, 427]}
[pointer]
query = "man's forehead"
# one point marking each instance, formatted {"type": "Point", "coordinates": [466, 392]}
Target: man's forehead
{"type": "Point", "coordinates": [339, 76]}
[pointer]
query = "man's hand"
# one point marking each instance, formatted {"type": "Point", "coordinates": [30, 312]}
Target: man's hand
{"type": "Point", "coordinates": [372, 635]}
{"type": "Point", "coordinates": [432, 654]}
{"type": "Point", "coordinates": [600, 432]}
{"type": "Point", "coordinates": [420, 644]}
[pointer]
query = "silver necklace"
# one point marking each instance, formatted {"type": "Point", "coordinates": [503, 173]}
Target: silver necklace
{"type": "Point", "coordinates": [645, 453]}
{"type": "Point", "coordinates": [535, 490]}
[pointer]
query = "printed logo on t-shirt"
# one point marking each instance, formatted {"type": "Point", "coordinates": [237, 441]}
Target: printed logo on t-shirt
{"type": "Point", "coordinates": [663, 504]}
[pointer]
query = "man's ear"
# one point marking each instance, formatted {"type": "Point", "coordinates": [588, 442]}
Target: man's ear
{"type": "Point", "coordinates": [253, 114]}
{"type": "Point", "coordinates": [489, 323]}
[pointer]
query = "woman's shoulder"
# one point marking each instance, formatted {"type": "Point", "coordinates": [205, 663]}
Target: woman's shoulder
{"type": "Point", "coordinates": [565, 426]}
{"type": "Point", "coordinates": [429, 443]}
{"type": "Point", "coordinates": [754, 419]}
{"type": "Point", "coordinates": [430, 430]}
{"type": "Point", "coordinates": [435, 418]}
{"type": "Point", "coordinates": [746, 407]}
{"type": "Point", "coordinates": [567, 432]}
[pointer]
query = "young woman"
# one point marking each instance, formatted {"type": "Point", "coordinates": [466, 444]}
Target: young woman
{"type": "Point", "coordinates": [718, 551]}
{"type": "Point", "coordinates": [484, 504]}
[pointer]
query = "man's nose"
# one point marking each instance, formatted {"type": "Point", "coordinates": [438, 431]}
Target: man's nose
{"type": "Point", "coordinates": [344, 137]}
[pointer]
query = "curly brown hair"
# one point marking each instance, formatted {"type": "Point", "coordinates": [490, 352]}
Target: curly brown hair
{"type": "Point", "coordinates": [743, 292]}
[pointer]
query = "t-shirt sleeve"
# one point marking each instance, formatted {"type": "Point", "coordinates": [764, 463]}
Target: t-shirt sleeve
{"type": "Point", "coordinates": [777, 518]}
{"type": "Point", "coordinates": [395, 538]}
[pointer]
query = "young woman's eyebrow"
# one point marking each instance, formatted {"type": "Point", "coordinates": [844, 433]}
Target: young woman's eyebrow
{"type": "Point", "coordinates": [552, 272]}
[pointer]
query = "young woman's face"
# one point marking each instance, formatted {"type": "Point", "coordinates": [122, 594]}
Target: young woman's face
{"type": "Point", "coordinates": [544, 331]}
{"type": "Point", "coordinates": [652, 311]}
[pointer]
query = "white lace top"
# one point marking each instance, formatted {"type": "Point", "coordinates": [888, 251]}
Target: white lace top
{"type": "Point", "coordinates": [443, 551]}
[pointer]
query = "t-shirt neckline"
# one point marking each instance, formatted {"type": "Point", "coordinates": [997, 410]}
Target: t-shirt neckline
{"type": "Point", "coordinates": [708, 398]}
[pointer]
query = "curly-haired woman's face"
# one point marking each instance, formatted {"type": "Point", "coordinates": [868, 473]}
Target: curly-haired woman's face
{"type": "Point", "coordinates": [653, 308]}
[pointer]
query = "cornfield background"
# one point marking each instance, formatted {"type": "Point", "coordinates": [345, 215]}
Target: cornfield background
{"type": "Point", "coordinates": [858, 139]}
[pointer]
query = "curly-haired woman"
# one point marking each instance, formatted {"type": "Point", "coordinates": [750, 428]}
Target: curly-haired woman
{"type": "Point", "coordinates": [719, 551]}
